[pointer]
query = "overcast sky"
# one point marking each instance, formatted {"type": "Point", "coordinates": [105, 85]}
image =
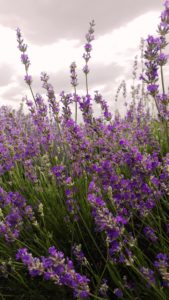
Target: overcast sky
{"type": "Point", "coordinates": [55, 33]}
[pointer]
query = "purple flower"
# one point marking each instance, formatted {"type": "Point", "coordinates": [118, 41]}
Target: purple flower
{"type": "Point", "coordinates": [88, 47]}
{"type": "Point", "coordinates": [25, 60]}
{"type": "Point", "coordinates": [86, 69]}
{"type": "Point", "coordinates": [166, 3]}
{"type": "Point", "coordinates": [51, 95]}
{"type": "Point", "coordinates": [161, 263]}
{"type": "Point", "coordinates": [22, 47]}
{"type": "Point", "coordinates": [114, 247]}
{"type": "Point", "coordinates": [162, 59]}
{"type": "Point", "coordinates": [104, 107]}
{"type": "Point", "coordinates": [28, 79]}
{"type": "Point", "coordinates": [118, 292]}
{"type": "Point", "coordinates": [103, 288]}
{"type": "Point", "coordinates": [15, 211]}
{"type": "Point", "coordinates": [148, 275]}
{"type": "Point", "coordinates": [56, 268]}
{"type": "Point", "coordinates": [58, 170]}
{"type": "Point", "coordinates": [150, 234]}
{"type": "Point", "coordinates": [73, 74]}
{"type": "Point", "coordinates": [152, 88]}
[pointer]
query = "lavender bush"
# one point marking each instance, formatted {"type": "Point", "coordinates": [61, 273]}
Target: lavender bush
{"type": "Point", "coordinates": [84, 206]}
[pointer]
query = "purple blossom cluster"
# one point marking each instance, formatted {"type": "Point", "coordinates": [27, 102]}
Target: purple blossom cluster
{"type": "Point", "coordinates": [79, 255]}
{"type": "Point", "coordinates": [17, 211]}
{"type": "Point", "coordinates": [118, 292]}
{"type": "Point", "coordinates": [59, 172]}
{"type": "Point", "coordinates": [56, 268]}
{"type": "Point", "coordinates": [162, 265]}
{"type": "Point", "coordinates": [50, 94]}
{"type": "Point", "coordinates": [88, 46]}
{"type": "Point", "coordinates": [99, 99]}
{"type": "Point", "coordinates": [23, 137]}
{"type": "Point", "coordinates": [23, 47]}
{"type": "Point", "coordinates": [73, 76]}
{"type": "Point", "coordinates": [66, 182]}
{"type": "Point", "coordinates": [66, 100]}
{"type": "Point", "coordinates": [150, 234]}
{"type": "Point", "coordinates": [148, 275]}
{"type": "Point", "coordinates": [112, 226]}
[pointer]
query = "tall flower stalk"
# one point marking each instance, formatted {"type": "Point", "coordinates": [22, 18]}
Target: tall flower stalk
{"type": "Point", "coordinates": [88, 49]}
{"type": "Point", "coordinates": [25, 60]}
{"type": "Point", "coordinates": [74, 83]}
{"type": "Point", "coordinates": [156, 59]}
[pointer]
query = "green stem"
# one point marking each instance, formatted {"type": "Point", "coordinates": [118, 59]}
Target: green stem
{"type": "Point", "coordinates": [102, 274]}
{"type": "Point", "coordinates": [162, 79]}
{"type": "Point", "coordinates": [75, 104]}
{"type": "Point", "coordinates": [32, 93]}
{"type": "Point", "coordinates": [92, 238]}
{"type": "Point", "coordinates": [156, 103]}
{"type": "Point", "coordinates": [87, 90]}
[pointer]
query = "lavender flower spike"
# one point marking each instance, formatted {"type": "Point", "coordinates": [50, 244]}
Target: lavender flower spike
{"type": "Point", "coordinates": [56, 268]}
{"type": "Point", "coordinates": [88, 49]}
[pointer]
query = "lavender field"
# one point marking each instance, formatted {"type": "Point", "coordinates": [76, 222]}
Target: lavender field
{"type": "Point", "coordinates": [84, 199]}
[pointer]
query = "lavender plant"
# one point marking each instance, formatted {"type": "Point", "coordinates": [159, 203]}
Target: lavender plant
{"type": "Point", "coordinates": [84, 210]}
{"type": "Point", "coordinates": [156, 59]}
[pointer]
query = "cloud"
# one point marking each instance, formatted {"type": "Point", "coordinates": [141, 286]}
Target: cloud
{"type": "Point", "coordinates": [47, 21]}
{"type": "Point", "coordinates": [6, 72]}
{"type": "Point", "coordinates": [12, 93]}
{"type": "Point", "coordinates": [100, 75]}
{"type": "Point", "coordinates": [112, 53]}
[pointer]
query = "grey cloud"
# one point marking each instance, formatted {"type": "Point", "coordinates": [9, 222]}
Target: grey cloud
{"type": "Point", "coordinates": [60, 81]}
{"type": "Point", "coordinates": [46, 21]}
{"type": "Point", "coordinates": [100, 74]}
{"type": "Point", "coordinates": [6, 73]}
{"type": "Point", "coordinates": [13, 94]}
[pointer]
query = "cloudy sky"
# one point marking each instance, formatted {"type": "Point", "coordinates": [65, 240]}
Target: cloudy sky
{"type": "Point", "coordinates": [55, 33]}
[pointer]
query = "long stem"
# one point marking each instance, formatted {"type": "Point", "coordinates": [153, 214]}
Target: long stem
{"type": "Point", "coordinates": [75, 105]}
{"type": "Point", "coordinates": [157, 105]}
{"type": "Point", "coordinates": [87, 90]}
{"type": "Point", "coordinates": [162, 79]}
{"type": "Point", "coordinates": [64, 144]}
{"type": "Point", "coordinates": [30, 88]}
{"type": "Point", "coordinates": [166, 124]}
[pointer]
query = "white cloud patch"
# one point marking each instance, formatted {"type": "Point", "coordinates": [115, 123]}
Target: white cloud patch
{"type": "Point", "coordinates": [119, 45]}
